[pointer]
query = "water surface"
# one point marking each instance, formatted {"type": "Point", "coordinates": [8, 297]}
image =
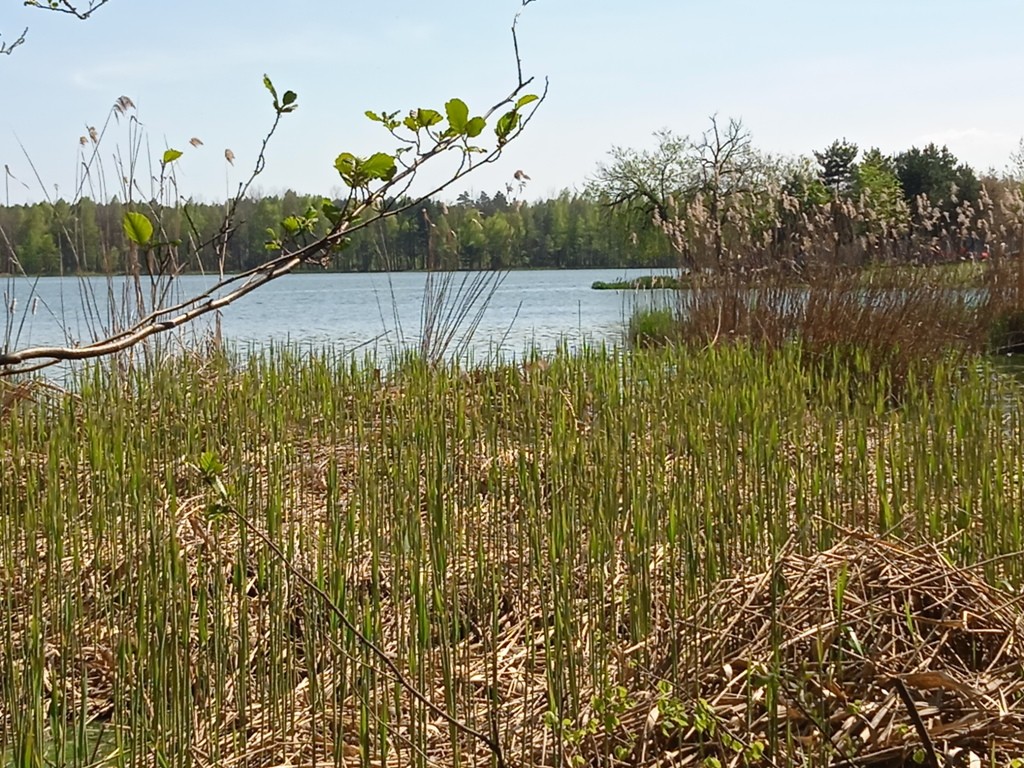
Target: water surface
{"type": "Point", "coordinates": [349, 311]}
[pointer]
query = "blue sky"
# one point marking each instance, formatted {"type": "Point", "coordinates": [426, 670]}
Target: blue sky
{"type": "Point", "coordinates": [892, 74]}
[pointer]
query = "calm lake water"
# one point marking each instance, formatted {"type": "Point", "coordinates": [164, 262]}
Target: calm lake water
{"type": "Point", "coordinates": [348, 311]}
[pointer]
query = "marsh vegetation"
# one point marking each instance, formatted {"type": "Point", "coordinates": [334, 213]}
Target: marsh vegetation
{"type": "Point", "coordinates": [578, 559]}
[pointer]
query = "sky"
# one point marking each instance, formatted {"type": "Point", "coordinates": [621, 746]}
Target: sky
{"type": "Point", "coordinates": [799, 73]}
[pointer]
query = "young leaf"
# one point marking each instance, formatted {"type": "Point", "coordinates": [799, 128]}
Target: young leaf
{"type": "Point", "coordinates": [331, 212]}
{"type": "Point", "coordinates": [289, 98]}
{"type": "Point", "coordinates": [527, 99]}
{"type": "Point", "coordinates": [374, 116]}
{"type": "Point", "coordinates": [209, 464]}
{"type": "Point", "coordinates": [506, 124]}
{"type": "Point", "coordinates": [428, 117]}
{"type": "Point", "coordinates": [137, 228]}
{"type": "Point", "coordinates": [458, 114]}
{"type": "Point", "coordinates": [346, 163]}
{"type": "Point", "coordinates": [170, 156]}
{"type": "Point", "coordinates": [291, 225]}
{"type": "Point", "coordinates": [475, 126]}
{"type": "Point", "coordinates": [270, 87]}
{"type": "Point", "coordinates": [379, 166]}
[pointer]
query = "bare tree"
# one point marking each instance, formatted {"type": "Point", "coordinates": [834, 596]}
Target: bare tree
{"type": "Point", "coordinates": [646, 179]}
{"type": "Point", "coordinates": [727, 168]}
{"type": "Point", "coordinates": [712, 174]}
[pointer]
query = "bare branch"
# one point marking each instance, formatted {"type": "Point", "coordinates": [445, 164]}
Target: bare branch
{"type": "Point", "coordinates": [58, 6]}
{"type": "Point", "coordinates": [64, 6]}
{"type": "Point", "coordinates": [8, 48]}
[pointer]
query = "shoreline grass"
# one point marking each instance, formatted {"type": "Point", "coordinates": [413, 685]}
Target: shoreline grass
{"type": "Point", "coordinates": [527, 542]}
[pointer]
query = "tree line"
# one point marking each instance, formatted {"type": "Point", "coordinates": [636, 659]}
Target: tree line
{"type": "Point", "coordinates": [726, 205]}
{"type": "Point", "coordinates": [713, 201]}
{"type": "Point", "coordinates": [485, 232]}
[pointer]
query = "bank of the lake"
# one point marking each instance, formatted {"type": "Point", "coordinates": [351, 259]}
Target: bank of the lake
{"type": "Point", "coordinates": [221, 557]}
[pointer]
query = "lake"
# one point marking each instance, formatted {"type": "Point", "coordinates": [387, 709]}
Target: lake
{"type": "Point", "coordinates": [348, 311]}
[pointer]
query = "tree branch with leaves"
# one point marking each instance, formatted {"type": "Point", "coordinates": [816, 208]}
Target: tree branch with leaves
{"type": "Point", "coordinates": [378, 187]}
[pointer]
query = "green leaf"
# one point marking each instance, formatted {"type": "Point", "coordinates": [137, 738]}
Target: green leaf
{"type": "Point", "coordinates": [458, 114]}
{"type": "Point", "coordinates": [291, 224]}
{"type": "Point", "coordinates": [374, 116]}
{"type": "Point", "coordinates": [346, 163]}
{"type": "Point", "coordinates": [170, 156]}
{"type": "Point", "coordinates": [428, 117]}
{"type": "Point", "coordinates": [331, 212]}
{"type": "Point", "coordinates": [289, 98]}
{"type": "Point", "coordinates": [137, 228]}
{"type": "Point", "coordinates": [270, 87]}
{"type": "Point", "coordinates": [475, 127]}
{"type": "Point", "coordinates": [209, 464]}
{"type": "Point", "coordinates": [380, 166]}
{"type": "Point", "coordinates": [527, 99]}
{"type": "Point", "coordinates": [506, 124]}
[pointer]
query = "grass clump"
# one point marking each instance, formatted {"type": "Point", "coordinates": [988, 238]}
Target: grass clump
{"type": "Point", "coordinates": [644, 283]}
{"type": "Point", "coordinates": [652, 327]}
{"type": "Point", "coordinates": [535, 547]}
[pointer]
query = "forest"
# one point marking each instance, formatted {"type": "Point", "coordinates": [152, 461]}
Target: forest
{"type": "Point", "coordinates": [707, 202]}
{"type": "Point", "coordinates": [569, 231]}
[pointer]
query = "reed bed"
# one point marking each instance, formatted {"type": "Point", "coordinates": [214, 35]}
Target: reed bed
{"type": "Point", "coordinates": [300, 560]}
{"type": "Point", "coordinates": [898, 321]}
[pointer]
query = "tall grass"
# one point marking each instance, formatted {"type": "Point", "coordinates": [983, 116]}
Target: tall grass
{"type": "Point", "coordinates": [901, 320]}
{"type": "Point", "coordinates": [525, 542]}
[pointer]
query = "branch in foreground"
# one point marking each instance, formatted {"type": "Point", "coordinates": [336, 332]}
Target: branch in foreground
{"type": "Point", "coordinates": [58, 6]}
{"type": "Point", "coordinates": [65, 6]}
{"type": "Point", "coordinates": [375, 183]}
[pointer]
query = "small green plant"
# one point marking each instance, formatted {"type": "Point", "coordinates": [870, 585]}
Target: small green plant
{"type": "Point", "coordinates": [673, 715]}
{"type": "Point", "coordinates": [653, 328]}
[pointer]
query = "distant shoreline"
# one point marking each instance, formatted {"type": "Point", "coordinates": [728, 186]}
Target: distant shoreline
{"type": "Point", "coordinates": [673, 270]}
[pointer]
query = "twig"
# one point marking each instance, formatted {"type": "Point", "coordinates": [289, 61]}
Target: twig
{"type": "Point", "coordinates": [915, 718]}
{"type": "Point", "coordinates": [65, 6]}
{"type": "Point", "coordinates": [8, 48]}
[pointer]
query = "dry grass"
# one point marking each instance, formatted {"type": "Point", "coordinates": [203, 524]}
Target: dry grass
{"type": "Point", "coordinates": [590, 557]}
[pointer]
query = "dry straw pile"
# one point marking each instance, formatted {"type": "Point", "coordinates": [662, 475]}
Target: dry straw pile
{"type": "Point", "coordinates": [875, 653]}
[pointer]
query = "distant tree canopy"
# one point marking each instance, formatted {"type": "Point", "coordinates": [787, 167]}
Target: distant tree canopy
{"type": "Point", "coordinates": [838, 166]}
{"type": "Point", "coordinates": [720, 185]}
{"type": "Point", "coordinates": [936, 173]}
{"type": "Point", "coordinates": [724, 204]}
{"type": "Point", "coordinates": [489, 231]}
